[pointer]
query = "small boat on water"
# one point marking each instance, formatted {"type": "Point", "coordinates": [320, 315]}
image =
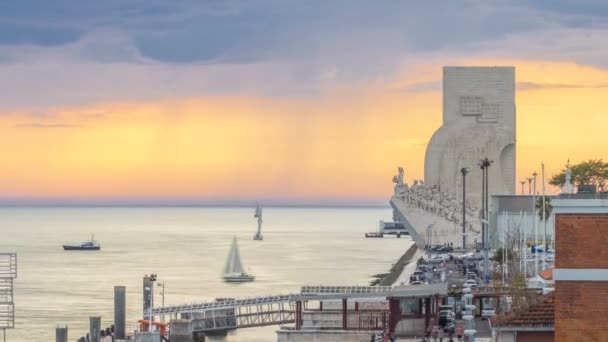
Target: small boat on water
{"type": "Point", "coordinates": [90, 245]}
{"type": "Point", "coordinates": [258, 215]}
{"type": "Point", "coordinates": [233, 271]}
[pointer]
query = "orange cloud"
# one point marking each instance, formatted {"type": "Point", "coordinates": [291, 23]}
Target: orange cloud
{"type": "Point", "coordinates": [342, 145]}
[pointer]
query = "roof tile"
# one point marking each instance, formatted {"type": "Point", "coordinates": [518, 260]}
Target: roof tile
{"type": "Point", "coordinates": [539, 314]}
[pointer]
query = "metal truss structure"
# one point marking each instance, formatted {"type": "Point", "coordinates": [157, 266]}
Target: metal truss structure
{"type": "Point", "coordinates": [234, 313]}
{"type": "Point", "coordinates": [245, 317]}
{"type": "Point", "coordinates": [8, 272]}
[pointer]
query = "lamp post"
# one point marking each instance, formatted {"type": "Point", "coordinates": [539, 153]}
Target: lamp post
{"type": "Point", "coordinates": [485, 165]}
{"type": "Point", "coordinates": [429, 239]}
{"type": "Point", "coordinates": [163, 297]}
{"type": "Point", "coordinates": [529, 179]}
{"type": "Point", "coordinates": [464, 172]}
{"type": "Point", "coordinates": [522, 187]}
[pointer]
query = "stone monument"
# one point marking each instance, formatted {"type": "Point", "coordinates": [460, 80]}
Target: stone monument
{"type": "Point", "coordinates": [568, 188]}
{"type": "Point", "coordinates": [478, 122]}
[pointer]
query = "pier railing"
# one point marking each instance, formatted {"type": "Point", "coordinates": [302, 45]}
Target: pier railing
{"type": "Point", "coordinates": [8, 272]}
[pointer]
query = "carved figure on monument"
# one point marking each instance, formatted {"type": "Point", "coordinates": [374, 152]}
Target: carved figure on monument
{"type": "Point", "coordinates": [400, 188]}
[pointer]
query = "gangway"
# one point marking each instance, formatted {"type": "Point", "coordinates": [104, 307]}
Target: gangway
{"type": "Point", "coordinates": [234, 313]}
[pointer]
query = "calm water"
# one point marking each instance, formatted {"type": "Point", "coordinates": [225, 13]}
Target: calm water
{"type": "Point", "coordinates": [187, 248]}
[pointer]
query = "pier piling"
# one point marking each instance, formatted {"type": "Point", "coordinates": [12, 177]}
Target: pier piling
{"type": "Point", "coordinates": [181, 330]}
{"type": "Point", "coordinates": [61, 334]}
{"type": "Point", "coordinates": [94, 328]}
{"type": "Point", "coordinates": [119, 311]}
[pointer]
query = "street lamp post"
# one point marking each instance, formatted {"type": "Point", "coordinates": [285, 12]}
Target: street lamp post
{"type": "Point", "coordinates": [485, 165]}
{"type": "Point", "coordinates": [429, 239]}
{"type": "Point", "coordinates": [163, 297]}
{"type": "Point", "coordinates": [464, 172]}
{"type": "Point", "coordinates": [522, 187]}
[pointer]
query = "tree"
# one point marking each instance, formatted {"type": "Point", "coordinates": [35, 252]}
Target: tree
{"type": "Point", "coordinates": [499, 256]}
{"type": "Point", "coordinates": [591, 172]}
{"type": "Point", "coordinates": [548, 207]}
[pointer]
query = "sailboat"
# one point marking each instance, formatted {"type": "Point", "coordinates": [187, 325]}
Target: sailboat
{"type": "Point", "coordinates": [258, 215]}
{"type": "Point", "coordinates": [233, 271]}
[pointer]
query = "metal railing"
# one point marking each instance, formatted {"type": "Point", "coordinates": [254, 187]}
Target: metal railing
{"type": "Point", "coordinates": [8, 272]}
{"type": "Point", "coordinates": [223, 304]}
{"type": "Point", "coordinates": [352, 290]}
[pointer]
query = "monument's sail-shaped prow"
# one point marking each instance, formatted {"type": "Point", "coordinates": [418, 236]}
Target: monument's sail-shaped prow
{"type": "Point", "coordinates": [478, 122]}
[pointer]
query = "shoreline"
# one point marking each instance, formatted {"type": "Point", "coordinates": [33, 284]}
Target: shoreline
{"type": "Point", "coordinates": [395, 273]}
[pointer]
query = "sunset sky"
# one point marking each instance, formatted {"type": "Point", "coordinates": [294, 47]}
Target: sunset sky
{"type": "Point", "coordinates": [281, 101]}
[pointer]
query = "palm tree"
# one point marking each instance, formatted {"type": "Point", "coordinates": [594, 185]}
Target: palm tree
{"type": "Point", "coordinates": [548, 207]}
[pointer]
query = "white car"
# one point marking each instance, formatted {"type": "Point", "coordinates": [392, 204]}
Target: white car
{"type": "Point", "coordinates": [488, 312]}
{"type": "Point", "coordinates": [471, 282]}
{"type": "Point", "coordinates": [436, 260]}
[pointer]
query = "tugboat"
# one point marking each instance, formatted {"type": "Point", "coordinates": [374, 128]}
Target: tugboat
{"type": "Point", "coordinates": [90, 245]}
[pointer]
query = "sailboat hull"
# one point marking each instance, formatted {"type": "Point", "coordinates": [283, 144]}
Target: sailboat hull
{"type": "Point", "coordinates": [244, 278]}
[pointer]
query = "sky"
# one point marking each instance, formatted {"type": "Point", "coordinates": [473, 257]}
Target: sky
{"type": "Point", "coordinates": [149, 101]}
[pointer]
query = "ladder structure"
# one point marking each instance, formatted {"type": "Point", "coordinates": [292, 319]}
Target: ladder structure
{"type": "Point", "coordinates": [8, 272]}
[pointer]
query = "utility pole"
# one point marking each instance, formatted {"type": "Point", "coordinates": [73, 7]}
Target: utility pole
{"type": "Point", "coordinates": [464, 172]}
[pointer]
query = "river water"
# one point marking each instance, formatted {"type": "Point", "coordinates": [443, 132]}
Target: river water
{"type": "Point", "coordinates": [187, 248]}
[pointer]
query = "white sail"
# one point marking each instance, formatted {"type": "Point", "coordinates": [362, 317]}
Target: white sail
{"type": "Point", "coordinates": [233, 264]}
{"type": "Point", "coordinates": [258, 211]}
{"type": "Point", "coordinates": [258, 215]}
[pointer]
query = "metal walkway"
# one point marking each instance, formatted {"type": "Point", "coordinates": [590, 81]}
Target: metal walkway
{"type": "Point", "coordinates": [306, 293]}
{"type": "Point", "coordinates": [233, 313]}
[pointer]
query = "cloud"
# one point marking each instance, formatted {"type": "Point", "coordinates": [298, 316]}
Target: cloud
{"type": "Point", "coordinates": [64, 54]}
{"type": "Point", "coordinates": [431, 86]}
{"type": "Point", "coordinates": [45, 125]}
{"type": "Point", "coordinates": [536, 86]}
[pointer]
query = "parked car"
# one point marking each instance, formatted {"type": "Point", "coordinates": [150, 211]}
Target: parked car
{"type": "Point", "coordinates": [487, 312]}
{"type": "Point", "coordinates": [447, 313]}
{"type": "Point", "coordinates": [417, 282]}
{"type": "Point", "coordinates": [446, 307]}
{"type": "Point", "coordinates": [471, 282]}
{"type": "Point", "coordinates": [437, 259]}
{"type": "Point", "coordinates": [446, 318]}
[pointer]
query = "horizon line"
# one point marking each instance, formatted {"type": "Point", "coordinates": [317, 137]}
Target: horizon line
{"type": "Point", "coordinates": [184, 203]}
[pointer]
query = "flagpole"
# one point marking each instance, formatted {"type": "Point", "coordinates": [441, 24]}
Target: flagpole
{"type": "Point", "coordinates": [544, 219]}
{"type": "Point", "coordinates": [535, 221]}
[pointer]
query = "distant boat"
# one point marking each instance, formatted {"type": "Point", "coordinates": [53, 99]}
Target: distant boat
{"type": "Point", "coordinates": [90, 245]}
{"type": "Point", "coordinates": [258, 215]}
{"type": "Point", "coordinates": [233, 271]}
